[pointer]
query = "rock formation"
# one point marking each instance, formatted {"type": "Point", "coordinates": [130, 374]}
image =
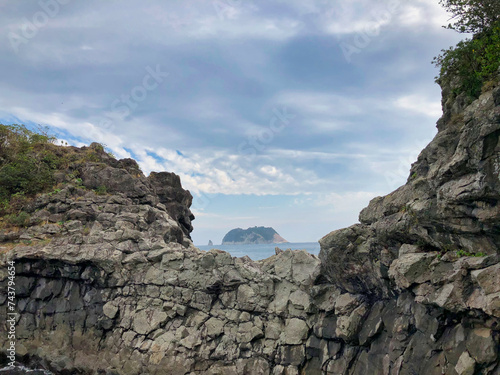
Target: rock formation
{"type": "Point", "coordinates": [111, 284]}
{"type": "Point", "coordinates": [255, 235]}
{"type": "Point", "coordinates": [424, 262]}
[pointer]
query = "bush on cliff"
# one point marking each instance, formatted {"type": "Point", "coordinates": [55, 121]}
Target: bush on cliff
{"type": "Point", "coordinates": [29, 161]}
{"type": "Point", "coordinates": [472, 62]}
{"type": "Point", "coordinates": [26, 164]}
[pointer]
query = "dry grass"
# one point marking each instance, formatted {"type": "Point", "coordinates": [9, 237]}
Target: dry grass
{"type": "Point", "coordinates": [4, 224]}
{"type": "Point", "coordinates": [8, 246]}
{"type": "Point", "coordinates": [490, 85]}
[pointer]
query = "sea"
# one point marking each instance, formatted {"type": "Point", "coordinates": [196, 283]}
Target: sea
{"type": "Point", "coordinates": [255, 252]}
{"type": "Point", "coordinates": [263, 251]}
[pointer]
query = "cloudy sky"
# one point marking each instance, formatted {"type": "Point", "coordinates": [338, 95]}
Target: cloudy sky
{"type": "Point", "coordinates": [291, 114]}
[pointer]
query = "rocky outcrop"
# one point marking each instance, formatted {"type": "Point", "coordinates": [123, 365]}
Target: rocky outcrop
{"type": "Point", "coordinates": [116, 286]}
{"type": "Point", "coordinates": [168, 188]}
{"type": "Point", "coordinates": [106, 174]}
{"type": "Point", "coordinates": [433, 246]}
{"type": "Point", "coordinates": [174, 310]}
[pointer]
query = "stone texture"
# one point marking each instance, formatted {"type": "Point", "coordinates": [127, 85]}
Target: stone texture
{"type": "Point", "coordinates": [465, 365]}
{"type": "Point", "coordinates": [295, 332]}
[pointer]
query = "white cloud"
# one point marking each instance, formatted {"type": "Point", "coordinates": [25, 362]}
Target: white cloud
{"type": "Point", "coordinates": [357, 16]}
{"type": "Point", "coordinates": [224, 173]}
{"type": "Point", "coordinates": [412, 16]}
{"type": "Point", "coordinates": [347, 202]}
{"type": "Point", "coordinates": [221, 19]}
{"type": "Point", "coordinates": [368, 17]}
{"type": "Point", "coordinates": [319, 155]}
{"type": "Point", "coordinates": [330, 112]}
{"type": "Point", "coordinates": [420, 104]}
{"type": "Point", "coordinates": [270, 170]}
{"type": "Point", "coordinates": [317, 103]}
{"type": "Point", "coordinates": [275, 172]}
{"type": "Point", "coordinates": [80, 129]}
{"type": "Point", "coordinates": [425, 13]}
{"type": "Point", "coordinates": [322, 111]}
{"type": "Point", "coordinates": [393, 165]}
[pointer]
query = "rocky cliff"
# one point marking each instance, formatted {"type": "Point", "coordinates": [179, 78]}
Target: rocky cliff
{"type": "Point", "coordinates": [116, 287]}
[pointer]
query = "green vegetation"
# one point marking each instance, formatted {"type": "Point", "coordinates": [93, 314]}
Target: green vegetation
{"type": "Point", "coordinates": [101, 190]}
{"type": "Point", "coordinates": [26, 164]}
{"type": "Point", "coordinates": [472, 16]}
{"type": "Point", "coordinates": [79, 182]}
{"type": "Point", "coordinates": [55, 191]}
{"type": "Point", "coordinates": [20, 219]}
{"type": "Point", "coordinates": [29, 163]}
{"type": "Point", "coordinates": [473, 62]}
{"type": "Point", "coordinates": [448, 248]}
{"type": "Point", "coordinates": [463, 253]}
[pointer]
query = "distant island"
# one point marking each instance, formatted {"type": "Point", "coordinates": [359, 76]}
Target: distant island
{"type": "Point", "coordinates": [255, 235]}
{"type": "Point", "coordinates": [210, 243]}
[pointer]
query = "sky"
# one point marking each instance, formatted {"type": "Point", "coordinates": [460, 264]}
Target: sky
{"type": "Point", "coordinates": [291, 114]}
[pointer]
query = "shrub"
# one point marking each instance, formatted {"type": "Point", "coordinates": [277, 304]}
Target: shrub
{"type": "Point", "coordinates": [19, 220]}
{"type": "Point", "coordinates": [26, 166]}
{"type": "Point", "coordinates": [29, 161]}
{"type": "Point", "coordinates": [473, 62]}
{"type": "Point", "coordinates": [463, 253]}
{"type": "Point", "coordinates": [101, 190]}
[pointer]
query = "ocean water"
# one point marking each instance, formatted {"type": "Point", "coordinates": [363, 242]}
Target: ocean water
{"type": "Point", "coordinates": [263, 251]}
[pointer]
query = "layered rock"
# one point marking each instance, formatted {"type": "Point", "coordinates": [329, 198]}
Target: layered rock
{"type": "Point", "coordinates": [116, 286]}
{"type": "Point", "coordinates": [106, 174]}
{"type": "Point", "coordinates": [174, 310]}
{"type": "Point", "coordinates": [433, 246]}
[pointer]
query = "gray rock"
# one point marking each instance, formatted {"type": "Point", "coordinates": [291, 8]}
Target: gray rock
{"type": "Point", "coordinates": [147, 321]}
{"type": "Point", "coordinates": [466, 365]}
{"type": "Point", "coordinates": [110, 310]}
{"type": "Point", "coordinates": [482, 346]}
{"type": "Point", "coordinates": [488, 279]}
{"type": "Point", "coordinates": [348, 326]}
{"type": "Point", "coordinates": [215, 327]}
{"type": "Point", "coordinates": [295, 332]}
{"type": "Point", "coordinates": [411, 268]}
